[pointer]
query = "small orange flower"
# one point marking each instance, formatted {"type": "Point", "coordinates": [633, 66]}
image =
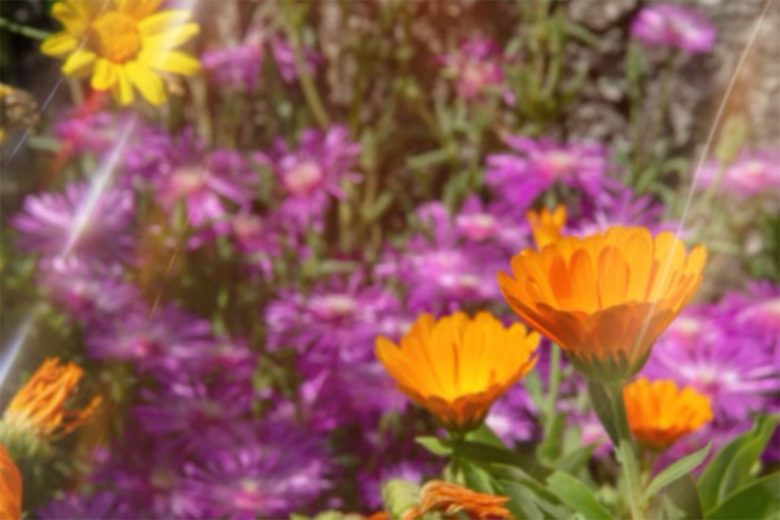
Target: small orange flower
{"type": "Point", "coordinates": [456, 367]}
{"type": "Point", "coordinates": [659, 413]}
{"type": "Point", "coordinates": [546, 226]}
{"type": "Point", "coordinates": [606, 298]}
{"type": "Point", "coordinates": [451, 499]}
{"type": "Point", "coordinates": [10, 487]}
{"type": "Point", "coordinates": [39, 406]}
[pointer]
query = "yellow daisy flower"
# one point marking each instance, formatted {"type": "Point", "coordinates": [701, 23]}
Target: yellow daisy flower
{"type": "Point", "coordinates": [604, 298]}
{"type": "Point", "coordinates": [457, 367]}
{"type": "Point", "coordinates": [122, 45]}
{"type": "Point", "coordinates": [659, 413]}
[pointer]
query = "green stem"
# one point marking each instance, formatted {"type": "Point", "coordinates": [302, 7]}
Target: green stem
{"type": "Point", "coordinates": [29, 32]}
{"type": "Point", "coordinates": [309, 90]}
{"type": "Point", "coordinates": [627, 454]}
{"type": "Point", "coordinates": [552, 394]}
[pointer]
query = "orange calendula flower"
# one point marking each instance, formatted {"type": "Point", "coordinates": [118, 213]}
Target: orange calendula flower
{"type": "Point", "coordinates": [606, 298]}
{"type": "Point", "coordinates": [10, 487]}
{"type": "Point", "coordinates": [546, 226]}
{"type": "Point", "coordinates": [659, 412]}
{"type": "Point", "coordinates": [451, 499]}
{"type": "Point", "coordinates": [39, 406]}
{"type": "Point", "coordinates": [123, 45]}
{"type": "Point", "coordinates": [456, 367]}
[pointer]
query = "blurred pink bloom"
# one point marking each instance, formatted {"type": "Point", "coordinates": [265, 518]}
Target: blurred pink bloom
{"type": "Point", "coordinates": [476, 67]}
{"type": "Point", "coordinates": [753, 173]}
{"type": "Point", "coordinates": [666, 25]}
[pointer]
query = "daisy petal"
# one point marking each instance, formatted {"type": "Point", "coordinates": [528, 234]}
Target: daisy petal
{"type": "Point", "coordinates": [58, 45]}
{"type": "Point", "coordinates": [147, 82]}
{"type": "Point", "coordinates": [171, 38]}
{"type": "Point", "coordinates": [105, 75]}
{"type": "Point", "coordinates": [163, 22]}
{"type": "Point", "coordinates": [78, 62]}
{"type": "Point", "coordinates": [123, 90]}
{"type": "Point", "coordinates": [172, 61]}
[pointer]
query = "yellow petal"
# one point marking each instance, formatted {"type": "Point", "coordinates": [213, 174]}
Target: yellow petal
{"type": "Point", "coordinates": [147, 82]}
{"type": "Point", "coordinates": [123, 89]}
{"type": "Point", "coordinates": [58, 45]}
{"type": "Point", "coordinates": [138, 9]}
{"type": "Point", "coordinates": [105, 75]}
{"type": "Point", "coordinates": [171, 61]}
{"type": "Point", "coordinates": [163, 22]}
{"type": "Point", "coordinates": [74, 16]}
{"type": "Point", "coordinates": [172, 38]}
{"type": "Point", "coordinates": [78, 62]}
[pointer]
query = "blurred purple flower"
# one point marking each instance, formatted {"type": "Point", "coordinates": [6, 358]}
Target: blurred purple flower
{"type": "Point", "coordinates": [198, 417]}
{"type": "Point", "coordinates": [311, 173]}
{"type": "Point", "coordinates": [667, 25]}
{"type": "Point", "coordinates": [513, 417]}
{"type": "Point", "coordinates": [236, 67]}
{"type": "Point", "coordinates": [86, 132]}
{"type": "Point", "coordinates": [476, 66]}
{"type": "Point", "coordinates": [753, 173]}
{"type": "Point", "coordinates": [518, 178]}
{"type": "Point", "coordinates": [284, 57]}
{"type": "Point", "coordinates": [618, 206]}
{"type": "Point", "coordinates": [481, 223]}
{"type": "Point", "coordinates": [279, 472]}
{"type": "Point", "coordinates": [100, 506]}
{"type": "Point", "coordinates": [731, 368]}
{"type": "Point", "coordinates": [87, 292]}
{"type": "Point", "coordinates": [336, 321]}
{"type": "Point", "coordinates": [57, 224]}
{"type": "Point", "coordinates": [167, 339]}
{"type": "Point", "coordinates": [757, 312]}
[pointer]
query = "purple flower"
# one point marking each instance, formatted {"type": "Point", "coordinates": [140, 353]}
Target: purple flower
{"type": "Point", "coordinates": [666, 25]}
{"type": "Point", "coordinates": [478, 223]}
{"type": "Point", "coordinates": [148, 478]}
{"type": "Point", "coordinates": [440, 271]}
{"type": "Point", "coordinates": [284, 56]}
{"type": "Point", "coordinates": [730, 367]}
{"type": "Point", "coordinates": [166, 339]}
{"type": "Point", "coordinates": [753, 173]}
{"type": "Point", "coordinates": [618, 206]}
{"type": "Point", "coordinates": [55, 224]}
{"type": "Point", "coordinates": [512, 417]}
{"type": "Point", "coordinates": [757, 312]}
{"type": "Point", "coordinates": [518, 178]}
{"type": "Point", "coordinates": [87, 291]}
{"type": "Point", "coordinates": [476, 67]}
{"type": "Point", "coordinates": [309, 175]}
{"type": "Point", "coordinates": [83, 131]}
{"type": "Point", "coordinates": [279, 472]}
{"type": "Point", "coordinates": [336, 320]}
{"type": "Point", "coordinates": [237, 67]}
{"type": "Point", "coordinates": [197, 417]}
{"type": "Point", "coordinates": [100, 506]}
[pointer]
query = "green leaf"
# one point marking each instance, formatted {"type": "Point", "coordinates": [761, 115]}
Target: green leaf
{"type": "Point", "coordinates": [485, 453]}
{"type": "Point", "coordinates": [523, 500]}
{"type": "Point", "coordinates": [676, 470]}
{"type": "Point", "coordinates": [574, 461]}
{"type": "Point", "coordinates": [435, 445]}
{"type": "Point", "coordinates": [480, 480]}
{"type": "Point", "coordinates": [602, 405]}
{"type": "Point", "coordinates": [576, 495]}
{"type": "Point", "coordinates": [485, 435]}
{"type": "Point", "coordinates": [731, 466]}
{"type": "Point", "coordinates": [757, 500]}
{"type": "Point", "coordinates": [399, 496]}
{"type": "Point", "coordinates": [682, 493]}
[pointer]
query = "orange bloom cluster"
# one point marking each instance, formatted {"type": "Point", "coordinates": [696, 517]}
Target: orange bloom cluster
{"type": "Point", "coordinates": [39, 405]}
{"type": "Point", "coordinates": [10, 487]}
{"type": "Point", "coordinates": [605, 298]}
{"type": "Point", "coordinates": [457, 367]}
{"type": "Point", "coordinates": [451, 499]}
{"type": "Point", "coordinates": [659, 413]}
{"type": "Point", "coordinates": [546, 226]}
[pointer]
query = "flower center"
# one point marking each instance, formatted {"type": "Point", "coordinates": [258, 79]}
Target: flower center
{"type": "Point", "coordinates": [477, 227]}
{"type": "Point", "coordinates": [303, 178]}
{"type": "Point", "coordinates": [559, 162]}
{"type": "Point", "coordinates": [187, 181]}
{"type": "Point", "coordinates": [115, 36]}
{"type": "Point", "coordinates": [335, 306]}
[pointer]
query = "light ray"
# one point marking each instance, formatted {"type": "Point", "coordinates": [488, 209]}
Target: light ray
{"type": "Point", "coordinates": [12, 349]}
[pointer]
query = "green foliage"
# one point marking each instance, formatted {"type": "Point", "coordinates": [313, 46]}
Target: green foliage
{"type": "Point", "coordinates": [398, 496]}
{"type": "Point", "coordinates": [760, 499]}
{"type": "Point", "coordinates": [577, 496]}
{"type": "Point", "coordinates": [676, 470]}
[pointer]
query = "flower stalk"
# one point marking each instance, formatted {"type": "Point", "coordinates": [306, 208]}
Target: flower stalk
{"type": "Point", "coordinates": [627, 454]}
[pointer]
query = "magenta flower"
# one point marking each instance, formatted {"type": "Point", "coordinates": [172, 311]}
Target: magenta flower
{"type": "Point", "coordinates": [88, 292]}
{"type": "Point", "coordinates": [100, 506]}
{"type": "Point", "coordinates": [513, 417]}
{"type": "Point", "coordinates": [336, 320]}
{"type": "Point", "coordinates": [66, 223]}
{"type": "Point", "coordinates": [518, 178]}
{"type": "Point", "coordinates": [284, 57]}
{"type": "Point", "coordinates": [667, 25]}
{"type": "Point", "coordinates": [758, 312]}
{"type": "Point", "coordinates": [618, 206]}
{"type": "Point", "coordinates": [309, 175]}
{"type": "Point", "coordinates": [476, 67]}
{"type": "Point", "coordinates": [753, 173]}
{"type": "Point", "coordinates": [236, 67]}
{"type": "Point", "coordinates": [86, 132]}
{"type": "Point", "coordinates": [167, 339]}
{"type": "Point", "coordinates": [478, 223]}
